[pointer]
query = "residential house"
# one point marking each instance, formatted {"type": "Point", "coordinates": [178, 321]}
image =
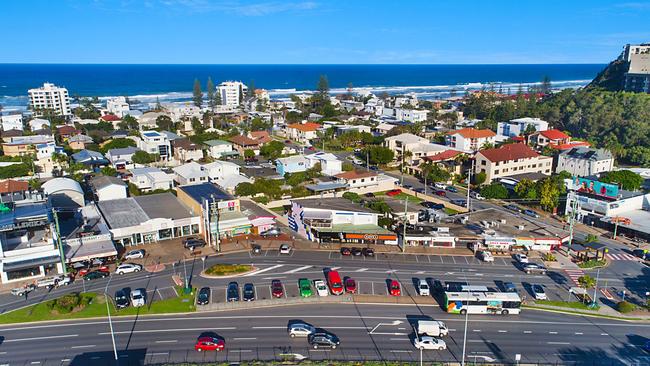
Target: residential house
{"type": "Point", "coordinates": [154, 142]}
{"type": "Point", "coordinates": [410, 115]}
{"type": "Point", "coordinates": [291, 164]}
{"type": "Point", "coordinates": [382, 128]}
{"type": "Point", "coordinates": [121, 158]}
{"type": "Point", "coordinates": [24, 145]}
{"type": "Point", "coordinates": [66, 131]}
{"type": "Point", "coordinates": [511, 160]}
{"type": "Point", "coordinates": [302, 132]}
{"type": "Point", "coordinates": [44, 158]}
{"type": "Point", "coordinates": [91, 158]}
{"type": "Point", "coordinates": [519, 126]}
{"type": "Point", "coordinates": [150, 179]}
{"type": "Point", "coordinates": [341, 129]}
{"type": "Point", "coordinates": [79, 141]}
{"type": "Point", "coordinates": [404, 142]}
{"type": "Point", "coordinates": [555, 139]}
{"type": "Point", "coordinates": [11, 120]}
{"type": "Point", "coordinates": [112, 119]}
{"type": "Point", "coordinates": [38, 124]}
{"type": "Point", "coordinates": [219, 148]}
{"type": "Point", "coordinates": [8, 134]}
{"type": "Point", "coordinates": [185, 150]}
{"type": "Point", "coordinates": [13, 190]}
{"type": "Point", "coordinates": [190, 173]}
{"type": "Point", "coordinates": [329, 163]}
{"type": "Point", "coordinates": [108, 188]}
{"type": "Point", "coordinates": [470, 139]}
{"type": "Point", "coordinates": [148, 120]}
{"type": "Point", "coordinates": [242, 143]}
{"type": "Point", "coordinates": [585, 162]}
{"type": "Point", "coordinates": [119, 134]}
{"type": "Point", "coordinates": [118, 106]}
{"type": "Point", "coordinates": [184, 111]}
{"type": "Point", "coordinates": [357, 179]}
{"type": "Point", "coordinates": [225, 174]}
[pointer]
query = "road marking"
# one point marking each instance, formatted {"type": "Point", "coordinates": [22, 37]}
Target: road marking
{"type": "Point", "coordinates": [269, 327]}
{"type": "Point", "coordinates": [35, 362]}
{"type": "Point", "coordinates": [298, 269]}
{"type": "Point", "coordinates": [274, 278]}
{"type": "Point", "coordinates": [65, 360]}
{"type": "Point", "coordinates": [466, 261]}
{"type": "Point", "coordinates": [240, 350]}
{"type": "Point", "coordinates": [527, 331]}
{"type": "Point", "coordinates": [400, 351]}
{"type": "Point", "coordinates": [452, 330]}
{"type": "Point", "coordinates": [477, 341]}
{"type": "Point", "coordinates": [38, 338]}
{"type": "Point", "coordinates": [453, 259]}
{"type": "Point", "coordinates": [416, 259]}
{"type": "Point", "coordinates": [429, 257]}
{"type": "Point", "coordinates": [503, 331]}
{"type": "Point", "coordinates": [419, 272]}
{"type": "Point", "coordinates": [476, 330]}
{"type": "Point", "coordinates": [361, 270]}
{"type": "Point", "coordinates": [564, 343]}
{"type": "Point", "coordinates": [86, 346]}
{"type": "Point", "coordinates": [335, 268]}
{"type": "Point", "coordinates": [169, 341]}
{"type": "Point", "coordinates": [165, 330]}
{"type": "Point", "coordinates": [578, 333]}
{"type": "Point", "coordinates": [552, 332]}
{"type": "Point", "coordinates": [264, 270]}
{"type": "Point", "coordinates": [604, 334]}
{"type": "Point", "coordinates": [244, 339]}
{"type": "Point", "coordinates": [399, 339]}
{"type": "Point", "coordinates": [158, 354]}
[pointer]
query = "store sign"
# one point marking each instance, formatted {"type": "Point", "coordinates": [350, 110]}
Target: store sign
{"type": "Point", "coordinates": [225, 204]}
{"type": "Point", "coordinates": [370, 237]}
{"type": "Point", "coordinates": [592, 204]}
{"type": "Point", "coordinates": [594, 187]}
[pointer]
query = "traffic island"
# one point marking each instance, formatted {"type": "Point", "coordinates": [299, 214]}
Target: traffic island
{"type": "Point", "coordinates": [228, 270]}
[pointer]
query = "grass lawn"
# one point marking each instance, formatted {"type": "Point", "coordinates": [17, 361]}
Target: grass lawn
{"type": "Point", "coordinates": [450, 211]}
{"type": "Point", "coordinates": [592, 264]}
{"type": "Point", "coordinates": [279, 210]}
{"type": "Point", "coordinates": [184, 303]}
{"type": "Point", "coordinates": [228, 269]}
{"type": "Point", "coordinates": [566, 304]}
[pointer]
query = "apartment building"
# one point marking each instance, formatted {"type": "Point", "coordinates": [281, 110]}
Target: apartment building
{"type": "Point", "coordinates": [155, 142]}
{"type": "Point", "coordinates": [11, 121]}
{"type": "Point", "coordinates": [510, 160]}
{"type": "Point", "coordinates": [518, 127]}
{"type": "Point", "coordinates": [470, 139]}
{"type": "Point", "coordinates": [50, 97]}
{"type": "Point", "coordinates": [118, 106]}
{"type": "Point", "coordinates": [232, 92]}
{"type": "Point", "coordinates": [637, 78]}
{"type": "Point", "coordinates": [303, 132]}
{"type": "Point", "coordinates": [585, 162]}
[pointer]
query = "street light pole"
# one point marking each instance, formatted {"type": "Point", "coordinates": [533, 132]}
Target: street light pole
{"type": "Point", "coordinates": [462, 362]}
{"type": "Point", "coordinates": [596, 287]}
{"type": "Point", "coordinates": [406, 204]}
{"type": "Point", "coordinates": [110, 322]}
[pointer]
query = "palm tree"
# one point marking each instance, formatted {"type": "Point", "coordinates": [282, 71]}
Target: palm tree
{"type": "Point", "coordinates": [425, 170]}
{"type": "Point", "coordinates": [405, 155]}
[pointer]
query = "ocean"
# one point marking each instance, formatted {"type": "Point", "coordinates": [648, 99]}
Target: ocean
{"type": "Point", "coordinates": [173, 83]}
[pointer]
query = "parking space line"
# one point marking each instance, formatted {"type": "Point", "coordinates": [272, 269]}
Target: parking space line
{"type": "Point", "coordinates": [439, 256]}
{"type": "Point", "coordinates": [453, 259]}
{"type": "Point", "coordinates": [429, 258]}
{"type": "Point", "coordinates": [373, 287]}
{"type": "Point", "coordinates": [466, 261]}
{"type": "Point", "coordinates": [416, 259]}
{"type": "Point", "coordinates": [266, 252]}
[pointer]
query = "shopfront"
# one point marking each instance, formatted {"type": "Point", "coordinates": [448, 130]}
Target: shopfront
{"type": "Point", "coordinates": [381, 237]}
{"type": "Point", "coordinates": [499, 244]}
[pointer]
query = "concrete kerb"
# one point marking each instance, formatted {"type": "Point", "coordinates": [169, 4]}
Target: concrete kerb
{"type": "Point", "coordinates": [205, 275]}
{"type": "Point", "coordinates": [565, 311]}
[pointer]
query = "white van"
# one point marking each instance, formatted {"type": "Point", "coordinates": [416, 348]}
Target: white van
{"type": "Point", "coordinates": [423, 288]}
{"type": "Point", "coordinates": [433, 328]}
{"type": "Point", "coordinates": [476, 196]}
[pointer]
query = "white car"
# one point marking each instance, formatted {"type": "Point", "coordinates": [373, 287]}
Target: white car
{"type": "Point", "coordinates": [321, 288]}
{"type": "Point", "coordinates": [539, 293]}
{"type": "Point", "coordinates": [134, 254]}
{"type": "Point", "coordinates": [285, 249]}
{"type": "Point", "coordinates": [426, 342]}
{"type": "Point", "coordinates": [128, 268]}
{"type": "Point", "coordinates": [138, 298]}
{"type": "Point", "coordinates": [476, 195]}
{"type": "Point", "coordinates": [440, 185]}
{"type": "Point", "coordinates": [300, 330]}
{"type": "Point", "coordinates": [423, 288]}
{"type": "Point", "coordinates": [486, 256]}
{"type": "Point", "coordinates": [521, 258]}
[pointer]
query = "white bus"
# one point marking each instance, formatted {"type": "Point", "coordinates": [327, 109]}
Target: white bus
{"type": "Point", "coordinates": [503, 303]}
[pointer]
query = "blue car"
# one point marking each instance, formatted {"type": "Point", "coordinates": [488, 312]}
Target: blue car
{"type": "Point", "coordinates": [531, 213]}
{"type": "Point", "coordinates": [452, 189]}
{"type": "Point", "coordinates": [646, 347]}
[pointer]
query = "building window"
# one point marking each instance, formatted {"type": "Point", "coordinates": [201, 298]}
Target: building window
{"type": "Point", "coordinates": [195, 228]}
{"type": "Point", "coordinates": [165, 234]}
{"type": "Point", "coordinates": [496, 172]}
{"type": "Point", "coordinates": [483, 162]}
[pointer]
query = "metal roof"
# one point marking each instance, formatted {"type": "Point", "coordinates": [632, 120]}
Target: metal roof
{"type": "Point", "coordinates": [205, 191]}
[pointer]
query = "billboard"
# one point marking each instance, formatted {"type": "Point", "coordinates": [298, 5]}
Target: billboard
{"type": "Point", "coordinates": [594, 187]}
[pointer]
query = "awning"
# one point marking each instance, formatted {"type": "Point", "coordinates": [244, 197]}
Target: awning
{"type": "Point", "coordinates": [317, 215]}
{"type": "Point", "coordinates": [29, 263]}
{"type": "Point", "coordinates": [89, 250]}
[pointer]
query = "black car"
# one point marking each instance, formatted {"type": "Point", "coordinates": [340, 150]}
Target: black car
{"type": "Point", "coordinates": [204, 296]}
{"type": "Point", "coordinates": [249, 292]}
{"type": "Point", "coordinates": [95, 275]}
{"type": "Point", "coordinates": [512, 208]}
{"type": "Point", "coordinates": [121, 299]}
{"type": "Point", "coordinates": [194, 243]}
{"type": "Point", "coordinates": [641, 253]}
{"type": "Point", "coordinates": [419, 190]}
{"type": "Point", "coordinates": [434, 206]}
{"type": "Point", "coordinates": [232, 293]}
{"type": "Point", "coordinates": [367, 252]}
{"type": "Point", "coordinates": [322, 339]}
{"type": "Point", "coordinates": [355, 252]}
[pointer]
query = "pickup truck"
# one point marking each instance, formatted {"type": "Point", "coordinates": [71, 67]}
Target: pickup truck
{"type": "Point", "coordinates": [54, 281]}
{"type": "Point", "coordinates": [22, 291]}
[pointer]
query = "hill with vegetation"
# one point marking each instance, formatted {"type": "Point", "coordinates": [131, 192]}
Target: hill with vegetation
{"type": "Point", "coordinates": [612, 77]}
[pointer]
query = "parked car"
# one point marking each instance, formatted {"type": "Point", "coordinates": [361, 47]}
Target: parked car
{"type": "Point", "coordinates": [232, 293]}
{"type": "Point", "coordinates": [476, 196]}
{"type": "Point", "coordinates": [452, 189]}
{"type": "Point", "coordinates": [355, 251]}
{"type": "Point", "coordinates": [121, 299]}
{"type": "Point", "coordinates": [439, 185]}
{"type": "Point", "coordinates": [426, 342]}
{"type": "Point", "coordinates": [521, 258]}
{"type": "Point", "coordinates": [538, 292]}
{"type": "Point", "coordinates": [249, 292]}
{"type": "Point", "coordinates": [459, 202]}
{"type": "Point", "coordinates": [204, 296]}
{"type": "Point", "coordinates": [194, 243]}
{"type": "Point", "coordinates": [394, 288]}
{"type": "Point", "coordinates": [299, 329]}
{"type": "Point", "coordinates": [441, 193]}
{"type": "Point", "coordinates": [256, 249]}
{"type": "Point", "coordinates": [271, 233]}
{"type": "Point", "coordinates": [277, 290]}
{"type": "Point", "coordinates": [134, 254]}
{"type": "Point", "coordinates": [374, 168]}
{"type": "Point", "coordinates": [345, 251]}
{"type": "Point", "coordinates": [533, 268]}
{"type": "Point", "coordinates": [95, 275]}
{"type": "Point", "coordinates": [350, 286]}
{"type": "Point", "coordinates": [321, 288]}
{"type": "Point", "coordinates": [641, 253]}
{"type": "Point", "coordinates": [485, 256]}
{"type": "Point", "coordinates": [285, 249]}
{"type": "Point", "coordinates": [323, 339]}
{"type": "Point", "coordinates": [512, 207]}
{"type": "Point", "coordinates": [305, 287]}
{"type": "Point", "coordinates": [138, 298]}
{"type": "Point", "coordinates": [419, 190]}
{"type": "Point", "coordinates": [368, 252]}
{"type": "Point", "coordinates": [531, 213]}
{"type": "Point", "coordinates": [423, 288]}
{"type": "Point", "coordinates": [393, 192]}
{"type": "Point", "coordinates": [509, 287]}
{"type": "Point", "coordinates": [23, 290]}
{"type": "Point", "coordinates": [128, 268]}
{"type": "Point", "coordinates": [209, 344]}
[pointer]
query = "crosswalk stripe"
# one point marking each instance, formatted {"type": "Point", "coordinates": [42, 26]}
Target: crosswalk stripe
{"type": "Point", "coordinates": [264, 270]}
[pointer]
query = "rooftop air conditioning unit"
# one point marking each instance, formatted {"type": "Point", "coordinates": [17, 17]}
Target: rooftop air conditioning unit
{"type": "Point", "coordinates": [520, 227]}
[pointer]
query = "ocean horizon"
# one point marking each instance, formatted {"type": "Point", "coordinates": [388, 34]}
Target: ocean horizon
{"type": "Point", "coordinates": [174, 82]}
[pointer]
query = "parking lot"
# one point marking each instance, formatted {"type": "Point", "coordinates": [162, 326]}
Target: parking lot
{"type": "Point", "coordinates": [425, 259]}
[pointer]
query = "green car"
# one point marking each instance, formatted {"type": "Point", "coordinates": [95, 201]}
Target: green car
{"type": "Point", "coordinates": [305, 287]}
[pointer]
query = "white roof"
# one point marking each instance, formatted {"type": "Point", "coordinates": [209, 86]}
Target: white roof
{"type": "Point", "coordinates": [407, 138]}
{"type": "Point", "coordinates": [231, 181]}
{"type": "Point", "coordinates": [220, 163]}
{"type": "Point", "coordinates": [61, 184]}
{"type": "Point", "coordinates": [322, 156]}
{"type": "Point", "coordinates": [155, 173]}
{"type": "Point", "coordinates": [385, 126]}
{"type": "Point", "coordinates": [292, 159]}
{"type": "Point", "coordinates": [190, 169]}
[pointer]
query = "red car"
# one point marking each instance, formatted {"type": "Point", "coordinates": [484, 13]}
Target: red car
{"type": "Point", "coordinates": [345, 251]}
{"type": "Point", "coordinates": [441, 193]}
{"type": "Point", "coordinates": [394, 288]}
{"type": "Point", "coordinates": [209, 344]}
{"type": "Point", "coordinates": [350, 286]}
{"type": "Point", "coordinates": [393, 192]}
{"type": "Point", "coordinates": [82, 272]}
{"type": "Point", "coordinates": [277, 290]}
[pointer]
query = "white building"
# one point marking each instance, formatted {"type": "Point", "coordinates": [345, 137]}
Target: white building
{"type": "Point", "coordinates": [329, 163]}
{"type": "Point", "coordinates": [150, 179]}
{"type": "Point", "coordinates": [38, 124]}
{"type": "Point", "coordinates": [225, 174]}
{"type": "Point", "coordinates": [218, 148]}
{"type": "Point", "coordinates": [50, 97]}
{"type": "Point", "coordinates": [231, 92]}
{"type": "Point", "coordinates": [108, 188]}
{"type": "Point", "coordinates": [11, 121]}
{"type": "Point", "coordinates": [517, 127]}
{"type": "Point", "coordinates": [183, 111]}
{"type": "Point", "coordinates": [190, 173]}
{"type": "Point", "coordinates": [470, 139]}
{"type": "Point", "coordinates": [410, 115]}
{"type": "Point", "coordinates": [155, 142]}
{"type": "Point", "coordinates": [118, 106]}
{"type": "Point", "coordinates": [585, 162]}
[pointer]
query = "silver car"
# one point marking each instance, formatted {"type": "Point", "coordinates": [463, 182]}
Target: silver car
{"type": "Point", "coordinates": [300, 330]}
{"type": "Point", "coordinates": [134, 254]}
{"type": "Point", "coordinates": [128, 268]}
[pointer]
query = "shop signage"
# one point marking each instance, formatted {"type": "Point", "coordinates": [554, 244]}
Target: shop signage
{"type": "Point", "coordinates": [370, 237]}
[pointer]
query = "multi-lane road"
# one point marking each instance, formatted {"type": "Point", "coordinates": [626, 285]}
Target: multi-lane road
{"type": "Point", "coordinates": [261, 333]}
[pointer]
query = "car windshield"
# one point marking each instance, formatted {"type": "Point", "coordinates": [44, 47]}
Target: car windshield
{"type": "Point", "coordinates": [137, 296]}
{"type": "Point", "coordinates": [395, 286]}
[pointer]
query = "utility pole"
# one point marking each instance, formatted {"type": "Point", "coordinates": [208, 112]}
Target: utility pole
{"type": "Point", "coordinates": [572, 219]}
{"type": "Point", "coordinates": [469, 182]}
{"type": "Point", "coordinates": [401, 168]}
{"type": "Point", "coordinates": [595, 303]}
{"type": "Point", "coordinates": [406, 205]}
{"type": "Point", "coordinates": [367, 160]}
{"type": "Point", "coordinates": [110, 322]}
{"type": "Point", "coordinates": [462, 362]}
{"type": "Point", "coordinates": [58, 241]}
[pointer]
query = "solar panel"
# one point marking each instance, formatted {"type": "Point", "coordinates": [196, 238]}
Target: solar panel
{"type": "Point", "coordinates": [205, 191]}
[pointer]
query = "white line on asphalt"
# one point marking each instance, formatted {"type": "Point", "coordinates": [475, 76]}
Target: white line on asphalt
{"type": "Point", "coordinates": [578, 333]}
{"type": "Point", "coordinates": [400, 351]}
{"type": "Point", "coordinates": [503, 331]}
{"type": "Point", "coordinates": [269, 327]}
{"type": "Point", "coordinates": [37, 338]}
{"type": "Point", "coordinates": [477, 341]}
{"type": "Point", "coordinates": [274, 278]}
{"type": "Point", "coordinates": [558, 343]}
{"type": "Point", "coordinates": [452, 330]}
{"type": "Point", "coordinates": [419, 272]}
{"type": "Point", "coordinates": [476, 330]}
{"type": "Point", "coordinates": [361, 270]}
{"type": "Point", "coordinates": [158, 354]}
{"type": "Point", "coordinates": [244, 339]}
{"type": "Point", "coordinates": [168, 341]}
{"type": "Point", "coordinates": [298, 269]}
{"type": "Point", "coordinates": [552, 332]}
{"type": "Point", "coordinates": [65, 360]}
{"type": "Point", "coordinates": [35, 362]}
{"type": "Point", "coordinates": [240, 350]}
{"type": "Point", "coordinates": [335, 268]}
{"type": "Point", "coordinates": [605, 334]}
{"type": "Point", "coordinates": [416, 259]}
{"type": "Point", "coordinates": [166, 330]}
{"type": "Point", "coordinates": [429, 257]}
{"type": "Point", "coordinates": [452, 258]}
{"type": "Point", "coordinates": [86, 346]}
{"type": "Point", "coordinates": [3, 353]}
{"type": "Point", "coordinates": [399, 339]}
{"type": "Point", "coordinates": [263, 270]}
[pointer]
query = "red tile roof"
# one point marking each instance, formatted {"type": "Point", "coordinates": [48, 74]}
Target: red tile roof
{"type": "Point", "coordinates": [110, 118]}
{"type": "Point", "coordinates": [509, 152]}
{"type": "Point", "coordinates": [569, 145]}
{"type": "Point", "coordinates": [67, 130]}
{"type": "Point", "coordinates": [305, 127]}
{"type": "Point", "coordinates": [11, 186]}
{"type": "Point", "coordinates": [472, 133]}
{"type": "Point", "coordinates": [244, 141]}
{"type": "Point", "coordinates": [262, 137]}
{"type": "Point", "coordinates": [554, 134]}
{"type": "Point", "coordinates": [355, 174]}
{"type": "Point", "coordinates": [442, 156]}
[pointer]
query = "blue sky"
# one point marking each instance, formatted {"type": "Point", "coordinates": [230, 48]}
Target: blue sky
{"type": "Point", "coordinates": [319, 32]}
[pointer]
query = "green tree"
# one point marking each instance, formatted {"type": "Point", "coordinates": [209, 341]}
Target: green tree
{"type": "Point", "coordinates": [165, 123]}
{"type": "Point", "coordinates": [249, 154]}
{"type": "Point", "coordinates": [354, 197]}
{"type": "Point", "coordinates": [380, 206]}
{"type": "Point", "coordinates": [245, 189]}
{"type": "Point", "coordinates": [109, 171]}
{"type": "Point", "coordinates": [479, 178]}
{"type": "Point", "coordinates": [323, 87]}
{"type": "Point", "coordinates": [197, 125]}
{"type": "Point", "coordinates": [211, 92]}
{"type": "Point", "coordinates": [494, 191]}
{"type": "Point", "coordinates": [116, 144]}
{"type": "Point", "coordinates": [546, 85]}
{"type": "Point", "coordinates": [251, 89]}
{"type": "Point", "coordinates": [143, 157]}
{"type": "Point", "coordinates": [272, 150]}
{"type": "Point", "coordinates": [379, 154]}
{"type": "Point", "coordinates": [258, 124]}
{"type": "Point", "coordinates": [241, 94]}
{"type": "Point", "coordinates": [627, 179]}
{"type": "Point", "coordinates": [549, 194]}
{"type": "Point", "coordinates": [586, 281]}
{"type": "Point", "coordinates": [197, 95]}
{"type": "Point", "coordinates": [347, 166]}
{"type": "Point", "coordinates": [526, 189]}
{"type": "Point", "coordinates": [16, 170]}
{"type": "Point", "coordinates": [128, 122]}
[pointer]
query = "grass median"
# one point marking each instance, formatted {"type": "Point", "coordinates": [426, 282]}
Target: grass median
{"type": "Point", "coordinates": [228, 269]}
{"type": "Point", "coordinates": [567, 304]}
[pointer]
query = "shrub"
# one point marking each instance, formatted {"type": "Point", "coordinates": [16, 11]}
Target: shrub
{"type": "Point", "coordinates": [625, 307]}
{"type": "Point", "coordinates": [586, 281]}
{"type": "Point", "coordinates": [66, 303]}
{"type": "Point", "coordinates": [228, 269]}
{"type": "Point", "coordinates": [549, 257]}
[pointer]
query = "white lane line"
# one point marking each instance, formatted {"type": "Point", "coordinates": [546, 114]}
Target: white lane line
{"type": "Point", "coordinates": [452, 330]}
{"type": "Point", "coordinates": [166, 330]}
{"type": "Point", "coordinates": [35, 362]}
{"type": "Point", "coordinates": [264, 270]}
{"type": "Point", "coordinates": [564, 343]}
{"type": "Point", "coordinates": [298, 269]}
{"type": "Point", "coordinates": [400, 351]}
{"type": "Point", "coordinates": [244, 339]}
{"type": "Point", "coordinates": [552, 332]}
{"type": "Point", "coordinates": [274, 278]}
{"type": "Point", "coordinates": [476, 330]}
{"type": "Point", "coordinates": [158, 354]}
{"type": "Point", "coordinates": [477, 341]}
{"type": "Point", "coordinates": [37, 338]}
{"type": "Point", "coordinates": [419, 272]}
{"type": "Point", "coordinates": [168, 341]}
{"type": "Point", "coordinates": [503, 331]}
{"type": "Point", "coordinates": [399, 339]}
{"type": "Point", "coordinates": [527, 331]}
{"type": "Point", "coordinates": [361, 270]}
{"type": "Point", "coordinates": [86, 346]}
{"type": "Point", "coordinates": [578, 333]}
{"type": "Point", "coordinates": [605, 334]}
{"type": "Point", "coordinates": [240, 350]}
{"type": "Point", "coordinates": [65, 360]}
{"type": "Point", "coordinates": [335, 268]}
{"type": "Point", "coordinates": [269, 327]}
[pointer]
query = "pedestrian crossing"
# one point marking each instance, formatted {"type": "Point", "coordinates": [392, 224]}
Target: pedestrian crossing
{"type": "Point", "coordinates": [574, 274]}
{"type": "Point", "coordinates": [620, 257]}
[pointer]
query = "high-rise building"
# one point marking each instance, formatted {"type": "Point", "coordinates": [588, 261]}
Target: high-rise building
{"type": "Point", "coordinates": [232, 92]}
{"type": "Point", "coordinates": [50, 97]}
